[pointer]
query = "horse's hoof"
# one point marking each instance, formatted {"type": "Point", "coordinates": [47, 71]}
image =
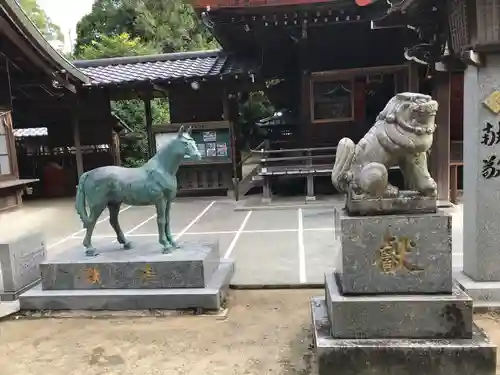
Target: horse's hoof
{"type": "Point", "coordinates": [167, 250]}
{"type": "Point", "coordinates": [127, 245]}
{"type": "Point", "coordinates": [91, 252]}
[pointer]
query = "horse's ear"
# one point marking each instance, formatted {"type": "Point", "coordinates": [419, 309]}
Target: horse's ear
{"type": "Point", "coordinates": [181, 131]}
{"type": "Point", "coordinates": [189, 130]}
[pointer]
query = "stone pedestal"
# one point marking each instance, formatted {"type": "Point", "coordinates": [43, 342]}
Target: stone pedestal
{"type": "Point", "coordinates": [193, 276]}
{"type": "Point", "coordinates": [20, 258]}
{"type": "Point", "coordinates": [391, 306]}
{"type": "Point", "coordinates": [365, 240]}
{"type": "Point", "coordinates": [481, 208]}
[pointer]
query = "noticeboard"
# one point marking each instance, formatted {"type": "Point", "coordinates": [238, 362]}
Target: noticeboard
{"type": "Point", "coordinates": [214, 145]}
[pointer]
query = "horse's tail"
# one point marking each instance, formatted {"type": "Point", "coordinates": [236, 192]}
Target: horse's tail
{"type": "Point", "coordinates": [343, 160]}
{"type": "Point", "coordinates": [80, 200]}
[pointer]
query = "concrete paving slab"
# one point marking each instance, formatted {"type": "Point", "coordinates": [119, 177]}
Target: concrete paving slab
{"type": "Point", "coordinates": [273, 220]}
{"type": "Point", "coordinates": [318, 218]}
{"type": "Point", "coordinates": [182, 214]}
{"type": "Point", "coordinates": [321, 255]}
{"type": "Point", "coordinates": [220, 218]}
{"type": "Point", "coordinates": [63, 246]}
{"type": "Point", "coordinates": [266, 259]}
{"type": "Point", "coordinates": [224, 239]}
{"type": "Point", "coordinates": [128, 220]}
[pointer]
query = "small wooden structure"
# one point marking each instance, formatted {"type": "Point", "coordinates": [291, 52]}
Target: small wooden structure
{"type": "Point", "coordinates": [200, 88]}
{"type": "Point", "coordinates": [42, 92]}
{"type": "Point", "coordinates": [31, 71]}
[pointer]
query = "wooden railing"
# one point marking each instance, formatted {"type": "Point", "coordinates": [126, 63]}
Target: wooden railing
{"type": "Point", "coordinates": [295, 165]}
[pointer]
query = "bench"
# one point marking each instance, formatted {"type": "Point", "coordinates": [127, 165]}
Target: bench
{"type": "Point", "coordinates": [298, 166]}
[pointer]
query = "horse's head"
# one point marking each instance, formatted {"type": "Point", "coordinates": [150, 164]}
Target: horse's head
{"type": "Point", "coordinates": [185, 145]}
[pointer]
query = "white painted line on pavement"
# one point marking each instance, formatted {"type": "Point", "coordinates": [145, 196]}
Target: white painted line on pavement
{"type": "Point", "coordinates": [194, 220]}
{"type": "Point", "coordinates": [219, 232]}
{"type": "Point", "coordinates": [139, 225]}
{"type": "Point", "coordinates": [237, 235]}
{"type": "Point", "coordinates": [81, 231]}
{"type": "Point", "coordinates": [319, 229]}
{"type": "Point", "coordinates": [269, 231]}
{"type": "Point", "coordinates": [302, 255]}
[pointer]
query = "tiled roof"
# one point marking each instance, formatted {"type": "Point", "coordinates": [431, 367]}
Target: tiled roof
{"type": "Point", "coordinates": [30, 132]}
{"type": "Point", "coordinates": [162, 67]}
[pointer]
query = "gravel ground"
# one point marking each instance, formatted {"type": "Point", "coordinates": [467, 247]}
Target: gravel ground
{"type": "Point", "coordinates": [263, 332]}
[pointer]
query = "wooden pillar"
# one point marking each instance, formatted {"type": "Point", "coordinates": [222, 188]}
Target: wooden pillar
{"type": "Point", "coordinates": [77, 143]}
{"type": "Point", "coordinates": [440, 152]}
{"type": "Point", "coordinates": [305, 110]}
{"type": "Point", "coordinates": [305, 90]}
{"type": "Point", "coordinates": [413, 77]}
{"type": "Point", "coordinates": [148, 118]}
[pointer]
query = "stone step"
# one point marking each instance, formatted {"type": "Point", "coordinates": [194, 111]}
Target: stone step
{"type": "Point", "coordinates": [142, 267]}
{"type": "Point", "coordinates": [394, 254]}
{"type": "Point", "coordinates": [476, 355]}
{"type": "Point", "coordinates": [398, 316]}
{"type": "Point", "coordinates": [210, 297]}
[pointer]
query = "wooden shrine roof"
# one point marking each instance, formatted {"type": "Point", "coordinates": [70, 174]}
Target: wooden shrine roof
{"type": "Point", "coordinates": [168, 68]}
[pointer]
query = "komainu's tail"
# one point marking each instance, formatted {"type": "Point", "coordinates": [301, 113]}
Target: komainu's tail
{"type": "Point", "coordinates": [80, 200]}
{"type": "Point", "coordinates": [343, 160]}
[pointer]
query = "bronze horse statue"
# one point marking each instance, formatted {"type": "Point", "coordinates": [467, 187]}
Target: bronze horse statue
{"type": "Point", "coordinates": [154, 183]}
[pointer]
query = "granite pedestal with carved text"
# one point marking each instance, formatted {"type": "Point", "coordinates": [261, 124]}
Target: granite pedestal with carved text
{"type": "Point", "coordinates": [141, 278]}
{"type": "Point", "coordinates": [20, 258]}
{"type": "Point", "coordinates": [395, 253]}
{"type": "Point", "coordinates": [391, 306]}
{"type": "Point", "coordinates": [480, 277]}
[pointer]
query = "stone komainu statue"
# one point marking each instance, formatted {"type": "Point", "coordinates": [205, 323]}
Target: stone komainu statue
{"type": "Point", "coordinates": [401, 136]}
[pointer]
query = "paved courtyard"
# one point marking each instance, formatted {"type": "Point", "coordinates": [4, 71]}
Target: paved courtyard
{"type": "Point", "coordinates": [292, 246]}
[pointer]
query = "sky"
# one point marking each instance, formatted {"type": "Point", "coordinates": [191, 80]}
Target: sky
{"type": "Point", "coordinates": [66, 14]}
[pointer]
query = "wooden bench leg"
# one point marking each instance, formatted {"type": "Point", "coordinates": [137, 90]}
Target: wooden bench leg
{"type": "Point", "coordinates": [266, 190]}
{"type": "Point", "coordinates": [310, 188]}
{"type": "Point", "coordinates": [454, 184]}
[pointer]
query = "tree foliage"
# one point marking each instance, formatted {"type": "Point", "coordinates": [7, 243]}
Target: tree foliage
{"type": "Point", "coordinates": [115, 46]}
{"type": "Point", "coordinates": [48, 29]}
{"type": "Point", "coordinates": [171, 25]}
{"type": "Point", "coordinates": [134, 146]}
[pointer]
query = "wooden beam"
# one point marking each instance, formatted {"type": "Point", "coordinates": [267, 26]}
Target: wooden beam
{"type": "Point", "coordinates": [346, 73]}
{"type": "Point", "coordinates": [440, 152]}
{"type": "Point", "coordinates": [76, 141]}
{"type": "Point", "coordinates": [413, 78]}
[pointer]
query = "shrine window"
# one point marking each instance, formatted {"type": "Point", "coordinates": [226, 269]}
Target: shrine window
{"type": "Point", "coordinates": [5, 149]}
{"type": "Point", "coordinates": [332, 101]}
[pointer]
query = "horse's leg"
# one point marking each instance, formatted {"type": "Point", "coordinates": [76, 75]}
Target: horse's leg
{"type": "Point", "coordinates": [95, 212]}
{"type": "Point", "coordinates": [167, 224]}
{"type": "Point", "coordinates": [161, 222]}
{"type": "Point", "coordinates": [114, 210]}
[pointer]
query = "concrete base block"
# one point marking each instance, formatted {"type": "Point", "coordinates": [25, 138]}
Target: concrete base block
{"type": "Point", "coordinates": [144, 266]}
{"type": "Point", "coordinates": [13, 296]}
{"type": "Point", "coordinates": [398, 316]}
{"type": "Point", "coordinates": [399, 356]}
{"type": "Point", "coordinates": [210, 297]}
{"type": "Point", "coordinates": [485, 294]}
{"type": "Point", "coordinates": [395, 254]}
{"type": "Point", "coordinates": [20, 259]}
